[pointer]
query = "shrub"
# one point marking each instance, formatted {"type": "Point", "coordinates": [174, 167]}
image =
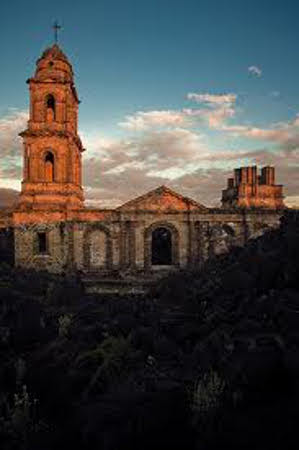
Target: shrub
{"type": "Point", "coordinates": [64, 325]}
{"type": "Point", "coordinates": [207, 392]}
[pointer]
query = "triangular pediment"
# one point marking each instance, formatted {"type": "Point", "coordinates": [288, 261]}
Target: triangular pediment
{"type": "Point", "coordinates": [162, 199]}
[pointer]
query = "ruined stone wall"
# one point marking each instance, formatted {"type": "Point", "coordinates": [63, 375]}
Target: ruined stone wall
{"type": "Point", "coordinates": [122, 241]}
{"type": "Point", "coordinates": [54, 258]}
{"type": "Point", "coordinates": [96, 246]}
{"type": "Point", "coordinates": [249, 190]}
{"type": "Point", "coordinates": [195, 237]}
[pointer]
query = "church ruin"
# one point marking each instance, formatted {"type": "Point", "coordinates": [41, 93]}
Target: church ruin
{"type": "Point", "coordinates": [51, 228]}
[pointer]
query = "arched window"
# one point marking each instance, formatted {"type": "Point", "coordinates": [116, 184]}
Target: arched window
{"type": "Point", "coordinates": [49, 167]}
{"type": "Point", "coordinates": [161, 247]}
{"type": "Point", "coordinates": [50, 108]}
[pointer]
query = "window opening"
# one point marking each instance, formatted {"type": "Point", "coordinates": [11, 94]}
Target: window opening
{"type": "Point", "coordinates": [42, 242]}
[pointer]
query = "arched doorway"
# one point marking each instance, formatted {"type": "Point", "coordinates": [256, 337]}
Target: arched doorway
{"type": "Point", "coordinates": [161, 247]}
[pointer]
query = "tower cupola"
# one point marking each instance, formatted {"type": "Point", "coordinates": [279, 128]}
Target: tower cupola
{"type": "Point", "coordinates": [54, 65]}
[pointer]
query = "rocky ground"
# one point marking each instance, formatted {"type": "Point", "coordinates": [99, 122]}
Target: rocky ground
{"type": "Point", "coordinates": [207, 360]}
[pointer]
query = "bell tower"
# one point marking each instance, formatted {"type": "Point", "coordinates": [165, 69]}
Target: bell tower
{"type": "Point", "coordinates": [52, 147]}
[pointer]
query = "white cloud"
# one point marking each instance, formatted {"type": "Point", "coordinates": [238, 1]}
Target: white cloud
{"type": "Point", "coordinates": [215, 110]}
{"type": "Point", "coordinates": [153, 150]}
{"type": "Point", "coordinates": [284, 133]}
{"type": "Point", "coordinates": [217, 117]}
{"type": "Point", "coordinates": [181, 158]}
{"type": "Point", "coordinates": [10, 143]}
{"type": "Point", "coordinates": [168, 149]}
{"type": "Point", "coordinates": [213, 99]}
{"type": "Point", "coordinates": [10, 126]}
{"type": "Point", "coordinates": [292, 201]}
{"type": "Point", "coordinates": [10, 183]}
{"type": "Point", "coordinates": [255, 70]}
{"type": "Point", "coordinates": [217, 107]}
{"type": "Point", "coordinates": [143, 120]}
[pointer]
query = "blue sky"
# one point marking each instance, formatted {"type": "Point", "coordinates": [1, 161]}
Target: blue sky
{"type": "Point", "coordinates": [142, 57]}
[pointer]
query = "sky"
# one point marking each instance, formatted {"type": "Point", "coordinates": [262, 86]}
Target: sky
{"type": "Point", "coordinates": [172, 92]}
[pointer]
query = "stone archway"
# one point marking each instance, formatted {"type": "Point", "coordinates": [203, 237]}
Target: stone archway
{"type": "Point", "coordinates": [97, 248]}
{"type": "Point", "coordinates": [161, 245]}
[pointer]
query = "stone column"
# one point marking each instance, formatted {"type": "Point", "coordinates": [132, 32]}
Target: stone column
{"type": "Point", "coordinates": [131, 227]}
{"type": "Point", "coordinates": [128, 244]}
{"type": "Point", "coordinates": [67, 244]}
{"type": "Point", "coordinates": [245, 228]}
{"type": "Point", "coordinates": [193, 243]}
{"type": "Point", "coordinates": [140, 250]}
{"type": "Point", "coordinates": [204, 244]}
{"type": "Point", "coordinates": [123, 245]}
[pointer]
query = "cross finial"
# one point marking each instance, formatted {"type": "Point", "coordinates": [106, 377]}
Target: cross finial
{"type": "Point", "coordinates": [56, 27]}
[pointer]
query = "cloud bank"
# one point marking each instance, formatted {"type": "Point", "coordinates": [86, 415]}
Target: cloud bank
{"type": "Point", "coordinates": [172, 147]}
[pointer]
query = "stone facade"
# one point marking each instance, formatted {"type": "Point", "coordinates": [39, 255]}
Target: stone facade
{"type": "Point", "coordinates": [101, 241]}
{"type": "Point", "coordinates": [161, 229]}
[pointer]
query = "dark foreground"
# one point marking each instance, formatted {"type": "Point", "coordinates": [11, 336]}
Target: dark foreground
{"type": "Point", "coordinates": [208, 360]}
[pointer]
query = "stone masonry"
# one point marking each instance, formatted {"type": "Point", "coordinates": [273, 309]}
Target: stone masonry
{"type": "Point", "coordinates": [248, 189]}
{"type": "Point", "coordinates": [161, 229]}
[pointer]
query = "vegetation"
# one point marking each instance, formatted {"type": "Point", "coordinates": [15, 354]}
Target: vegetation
{"type": "Point", "coordinates": [208, 359]}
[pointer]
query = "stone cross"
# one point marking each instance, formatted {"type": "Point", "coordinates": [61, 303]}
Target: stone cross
{"type": "Point", "coordinates": [56, 27]}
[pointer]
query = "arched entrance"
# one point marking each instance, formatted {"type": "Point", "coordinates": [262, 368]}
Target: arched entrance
{"type": "Point", "coordinates": [161, 247]}
{"type": "Point", "coordinates": [97, 250]}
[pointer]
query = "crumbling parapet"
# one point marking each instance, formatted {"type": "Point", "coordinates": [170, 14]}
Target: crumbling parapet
{"type": "Point", "coordinates": [248, 189]}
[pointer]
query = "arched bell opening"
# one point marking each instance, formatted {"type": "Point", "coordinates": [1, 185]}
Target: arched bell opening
{"type": "Point", "coordinates": [50, 108]}
{"type": "Point", "coordinates": [161, 247]}
{"type": "Point", "coordinates": [49, 167]}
